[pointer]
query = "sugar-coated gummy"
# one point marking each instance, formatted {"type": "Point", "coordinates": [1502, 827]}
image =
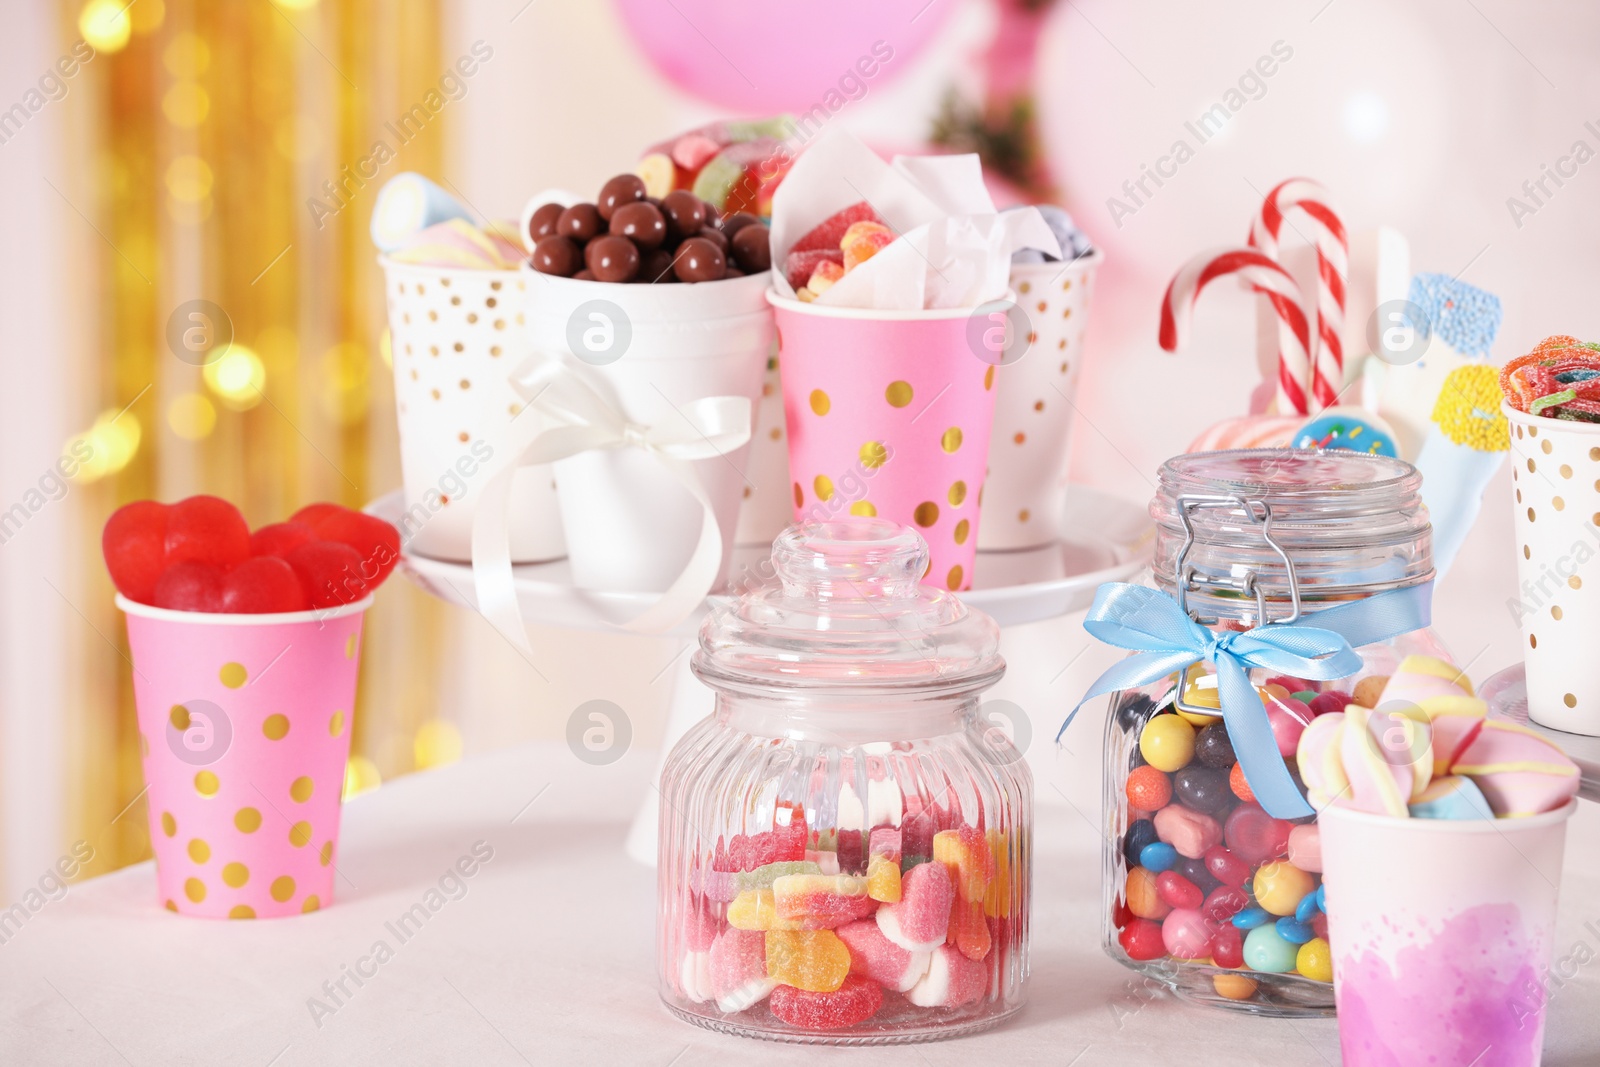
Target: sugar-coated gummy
{"type": "Point", "coordinates": [855, 1001]}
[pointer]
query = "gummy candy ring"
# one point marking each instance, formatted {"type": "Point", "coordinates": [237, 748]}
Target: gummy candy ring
{"type": "Point", "coordinates": [1560, 379]}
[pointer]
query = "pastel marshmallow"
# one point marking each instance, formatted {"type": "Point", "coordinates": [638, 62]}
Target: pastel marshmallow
{"type": "Point", "coordinates": [1321, 769]}
{"type": "Point", "coordinates": [1305, 847]}
{"type": "Point", "coordinates": [874, 956]}
{"type": "Point", "coordinates": [1451, 797]}
{"type": "Point", "coordinates": [1518, 771]}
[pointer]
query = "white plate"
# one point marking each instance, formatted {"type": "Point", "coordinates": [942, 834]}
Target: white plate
{"type": "Point", "coordinates": [1112, 541]}
{"type": "Point", "coordinates": [1506, 693]}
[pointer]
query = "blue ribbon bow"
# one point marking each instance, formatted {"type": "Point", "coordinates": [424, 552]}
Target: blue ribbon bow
{"type": "Point", "coordinates": [1165, 639]}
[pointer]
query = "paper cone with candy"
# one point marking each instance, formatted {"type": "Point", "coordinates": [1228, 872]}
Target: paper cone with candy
{"type": "Point", "coordinates": [887, 295]}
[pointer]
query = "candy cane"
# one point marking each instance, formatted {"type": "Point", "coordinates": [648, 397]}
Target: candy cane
{"type": "Point", "coordinates": [1264, 275]}
{"type": "Point", "coordinates": [1333, 272]}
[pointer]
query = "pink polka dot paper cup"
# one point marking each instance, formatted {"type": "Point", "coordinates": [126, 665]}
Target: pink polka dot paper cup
{"type": "Point", "coordinates": [244, 723]}
{"type": "Point", "coordinates": [1442, 935]}
{"type": "Point", "coordinates": [889, 415]}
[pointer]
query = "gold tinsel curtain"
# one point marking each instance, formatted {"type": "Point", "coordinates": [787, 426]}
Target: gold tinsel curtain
{"type": "Point", "coordinates": [224, 152]}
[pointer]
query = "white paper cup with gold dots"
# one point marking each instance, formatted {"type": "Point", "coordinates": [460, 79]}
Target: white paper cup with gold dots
{"type": "Point", "coordinates": [244, 730]}
{"type": "Point", "coordinates": [1026, 490]}
{"type": "Point", "coordinates": [456, 337]}
{"type": "Point", "coordinates": [1555, 469]}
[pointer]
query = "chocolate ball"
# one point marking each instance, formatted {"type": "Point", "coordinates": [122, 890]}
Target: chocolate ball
{"type": "Point", "coordinates": [1133, 710]}
{"type": "Point", "coordinates": [623, 189]}
{"type": "Point", "coordinates": [585, 275]}
{"type": "Point", "coordinates": [612, 258]}
{"type": "Point", "coordinates": [1213, 747]}
{"type": "Point", "coordinates": [731, 272]}
{"type": "Point", "coordinates": [641, 223]}
{"type": "Point", "coordinates": [738, 221]}
{"type": "Point", "coordinates": [656, 266]}
{"type": "Point", "coordinates": [752, 249]}
{"type": "Point", "coordinates": [716, 237]}
{"type": "Point", "coordinates": [581, 222]}
{"type": "Point", "coordinates": [543, 221]}
{"type": "Point", "coordinates": [556, 255]}
{"type": "Point", "coordinates": [698, 260]}
{"type": "Point", "coordinates": [1203, 789]}
{"type": "Point", "coordinates": [685, 214]}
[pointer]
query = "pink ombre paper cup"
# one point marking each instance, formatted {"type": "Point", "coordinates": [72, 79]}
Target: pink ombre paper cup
{"type": "Point", "coordinates": [888, 414]}
{"type": "Point", "coordinates": [1442, 934]}
{"type": "Point", "coordinates": [244, 723]}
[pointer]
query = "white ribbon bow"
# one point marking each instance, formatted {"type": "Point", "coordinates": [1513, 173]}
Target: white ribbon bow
{"type": "Point", "coordinates": [556, 392]}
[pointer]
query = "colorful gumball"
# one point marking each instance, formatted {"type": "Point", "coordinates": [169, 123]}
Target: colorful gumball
{"type": "Point", "coordinates": [1240, 787]}
{"type": "Point", "coordinates": [1254, 836]}
{"type": "Point", "coordinates": [134, 543]}
{"type": "Point", "coordinates": [1148, 789]}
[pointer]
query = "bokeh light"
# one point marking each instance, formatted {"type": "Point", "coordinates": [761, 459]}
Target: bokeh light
{"type": "Point", "coordinates": [236, 377]}
{"type": "Point", "coordinates": [343, 388]}
{"type": "Point", "coordinates": [110, 444]}
{"type": "Point", "coordinates": [386, 348]}
{"type": "Point", "coordinates": [360, 776]}
{"type": "Point", "coordinates": [437, 742]}
{"type": "Point", "coordinates": [105, 25]}
{"type": "Point", "coordinates": [189, 179]}
{"type": "Point", "coordinates": [186, 104]}
{"type": "Point", "coordinates": [192, 416]}
{"type": "Point", "coordinates": [147, 15]}
{"type": "Point", "coordinates": [187, 55]}
{"type": "Point", "coordinates": [296, 5]}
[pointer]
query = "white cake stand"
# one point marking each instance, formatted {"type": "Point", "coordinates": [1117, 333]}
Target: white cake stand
{"type": "Point", "coordinates": [1109, 541]}
{"type": "Point", "coordinates": [1506, 693]}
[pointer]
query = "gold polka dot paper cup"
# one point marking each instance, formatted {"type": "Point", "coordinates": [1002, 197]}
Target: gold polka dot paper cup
{"type": "Point", "coordinates": [1033, 417]}
{"type": "Point", "coordinates": [1555, 469]}
{"type": "Point", "coordinates": [888, 415]}
{"type": "Point", "coordinates": [456, 336]}
{"type": "Point", "coordinates": [244, 724]}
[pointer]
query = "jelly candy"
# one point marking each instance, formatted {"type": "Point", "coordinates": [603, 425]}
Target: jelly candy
{"type": "Point", "coordinates": [1331, 701]}
{"type": "Point", "coordinates": [206, 529]}
{"type": "Point", "coordinates": [874, 956]}
{"type": "Point", "coordinates": [953, 980]}
{"type": "Point", "coordinates": [263, 585]}
{"type": "Point", "coordinates": [1227, 946]}
{"type": "Point", "coordinates": [280, 538]}
{"type": "Point", "coordinates": [1223, 903]}
{"type": "Point", "coordinates": [862, 241]}
{"type": "Point", "coordinates": [830, 232]}
{"type": "Point", "coordinates": [189, 586]}
{"type": "Point", "coordinates": [1369, 691]}
{"type": "Point", "coordinates": [1234, 986]}
{"type": "Point", "coordinates": [1288, 718]}
{"type": "Point", "coordinates": [1190, 832]}
{"type": "Point", "coordinates": [814, 960]}
{"type": "Point", "coordinates": [819, 901]}
{"type": "Point", "coordinates": [799, 267]}
{"type": "Point", "coordinates": [134, 544]}
{"type": "Point", "coordinates": [1176, 890]}
{"type": "Point", "coordinates": [1225, 867]}
{"type": "Point", "coordinates": [763, 877]}
{"type": "Point", "coordinates": [754, 909]}
{"type": "Point", "coordinates": [855, 1001]}
{"type": "Point", "coordinates": [1195, 870]}
{"type": "Point", "coordinates": [1254, 836]}
{"type": "Point", "coordinates": [1186, 934]}
{"type": "Point", "coordinates": [1167, 742]}
{"type": "Point", "coordinates": [1148, 789]}
{"type": "Point", "coordinates": [1143, 895]}
{"type": "Point", "coordinates": [377, 542]}
{"type": "Point", "coordinates": [330, 572]}
{"type": "Point", "coordinates": [966, 857]}
{"type": "Point", "coordinates": [883, 879]}
{"type": "Point", "coordinates": [738, 961]}
{"type": "Point", "coordinates": [1141, 940]}
{"type": "Point", "coordinates": [825, 862]}
{"type": "Point", "coordinates": [849, 850]}
{"type": "Point", "coordinates": [921, 921]}
{"type": "Point", "coordinates": [1280, 886]}
{"type": "Point", "coordinates": [997, 898]}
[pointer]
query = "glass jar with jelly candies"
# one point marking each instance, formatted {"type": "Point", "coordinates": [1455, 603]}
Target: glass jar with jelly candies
{"type": "Point", "coordinates": [845, 842]}
{"type": "Point", "coordinates": [1206, 888]}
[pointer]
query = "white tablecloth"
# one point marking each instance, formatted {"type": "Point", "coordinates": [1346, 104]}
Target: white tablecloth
{"type": "Point", "coordinates": [547, 956]}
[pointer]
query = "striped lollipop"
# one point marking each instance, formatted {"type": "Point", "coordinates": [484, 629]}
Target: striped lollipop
{"type": "Point", "coordinates": [1333, 272]}
{"type": "Point", "coordinates": [1263, 274]}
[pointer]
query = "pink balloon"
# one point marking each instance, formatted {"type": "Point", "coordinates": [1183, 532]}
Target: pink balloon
{"type": "Point", "coordinates": [758, 56]}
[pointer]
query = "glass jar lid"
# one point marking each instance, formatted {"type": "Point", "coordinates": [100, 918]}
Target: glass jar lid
{"type": "Point", "coordinates": [848, 615]}
{"type": "Point", "coordinates": [1238, 529]}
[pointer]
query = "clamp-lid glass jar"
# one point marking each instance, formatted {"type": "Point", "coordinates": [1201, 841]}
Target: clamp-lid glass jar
{"type": "Point", "coordinates": [1206, 891]}
{"type": "Point", "coordinates": [844, 852]}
